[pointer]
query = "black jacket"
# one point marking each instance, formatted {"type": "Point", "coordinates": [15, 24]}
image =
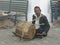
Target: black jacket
{"type": "Point", "coordinates": [44, 20]}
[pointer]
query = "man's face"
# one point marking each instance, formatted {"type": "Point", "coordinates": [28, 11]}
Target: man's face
{"type": "Point", "coordinates": [37, 11]}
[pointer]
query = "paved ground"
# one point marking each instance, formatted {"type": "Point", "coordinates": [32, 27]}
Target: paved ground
{"type": "Point", "coordinates": [7, 38]}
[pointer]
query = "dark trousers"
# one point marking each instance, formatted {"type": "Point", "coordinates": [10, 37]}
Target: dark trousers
{"type": "Point", "coordinates": [39, 31]}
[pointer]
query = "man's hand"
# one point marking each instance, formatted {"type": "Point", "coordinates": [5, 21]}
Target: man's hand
{"type": "Point", "coordinates": [43, 33]}
{"type": "Point", "coordinates": [42, 24]}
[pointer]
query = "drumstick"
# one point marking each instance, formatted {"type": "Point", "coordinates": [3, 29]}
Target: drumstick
{"type": "Point", "coordinates": [39, 24]}
{"type": "Point", "coordinates": [36, 24]}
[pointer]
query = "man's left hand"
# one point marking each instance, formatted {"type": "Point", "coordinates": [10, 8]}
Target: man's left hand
{"type": "Point", "coordinates": [43, 33]}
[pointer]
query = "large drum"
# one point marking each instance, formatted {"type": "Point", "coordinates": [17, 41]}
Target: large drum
{"type": "Point", "coordinates": [25, 29]}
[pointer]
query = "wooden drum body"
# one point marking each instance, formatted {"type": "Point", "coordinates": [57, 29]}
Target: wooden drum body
{"type": "Point", "coordinates": [25, 29]}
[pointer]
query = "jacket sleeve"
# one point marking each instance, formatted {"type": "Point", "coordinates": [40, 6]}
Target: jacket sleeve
{"type": "Point", "coordinates": [47, 26]}
{"type": "Point", "coordinates": [33, 17]}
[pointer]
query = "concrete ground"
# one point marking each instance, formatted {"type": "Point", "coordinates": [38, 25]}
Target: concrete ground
{"type": "Point", "coordinates": [7, 38]}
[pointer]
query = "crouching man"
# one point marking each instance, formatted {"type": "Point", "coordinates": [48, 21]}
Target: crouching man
{"type": "Point", "coordinates": [41, 23]}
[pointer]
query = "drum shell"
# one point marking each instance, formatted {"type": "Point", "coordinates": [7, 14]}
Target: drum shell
{"type": "Point", "coordinates": [26, 29]}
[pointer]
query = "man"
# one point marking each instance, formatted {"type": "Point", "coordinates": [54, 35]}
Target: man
{"type": "Point", "coordinates": [41, 22]}
{"type": "Point", "coordinates": [57, 13]}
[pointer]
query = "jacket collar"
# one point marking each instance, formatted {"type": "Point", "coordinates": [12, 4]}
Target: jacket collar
{"type": "Point", "coordinates": [39, 16]}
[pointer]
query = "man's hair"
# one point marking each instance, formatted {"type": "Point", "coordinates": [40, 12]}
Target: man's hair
{"type": "Point", "coordinates": [37, 7]}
